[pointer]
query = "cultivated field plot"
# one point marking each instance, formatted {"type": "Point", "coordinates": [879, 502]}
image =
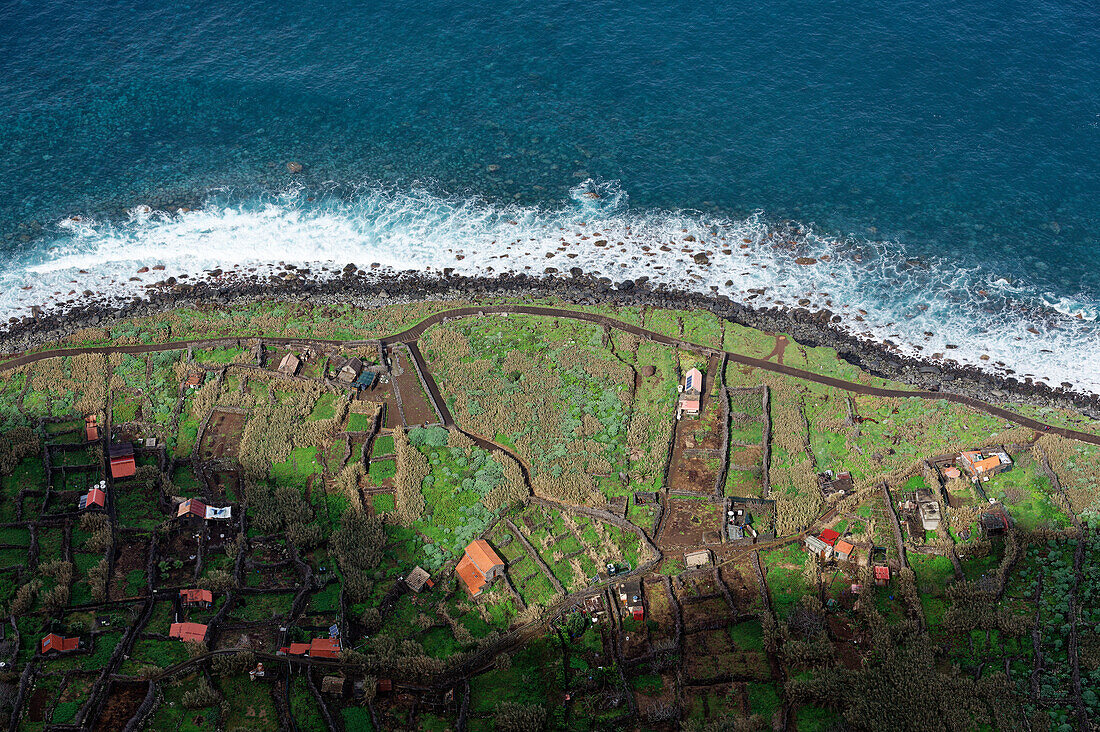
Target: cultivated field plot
{"type": "Point", "coordinates": [697, 454]}
{"type": "Point", "coordinates": [222, 438]}
{"type": "Point", "coordinates": [415, 406]}
{"type": "Point", "coordinates": [687, 520]}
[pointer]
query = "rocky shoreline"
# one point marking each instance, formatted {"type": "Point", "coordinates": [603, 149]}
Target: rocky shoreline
{"type": "Point", "coordinates": [375, 288]}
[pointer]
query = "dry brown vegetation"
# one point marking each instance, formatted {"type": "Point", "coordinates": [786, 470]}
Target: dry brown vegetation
{"type": "Point", "coordinates": [272, 428]}
{"type": "Point", "coordinates": [553, 387]}
{"type": "Point", "coordinates": [412, 468]}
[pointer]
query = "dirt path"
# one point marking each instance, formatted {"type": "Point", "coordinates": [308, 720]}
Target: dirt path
{"type": "Point", "coordinates": [779, 349]}
{"type": "Point", "coordinates": [413, 334]}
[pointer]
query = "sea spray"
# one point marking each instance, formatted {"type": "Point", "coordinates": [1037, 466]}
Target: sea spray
{"type": "Point", "coordinates": [928, 307]}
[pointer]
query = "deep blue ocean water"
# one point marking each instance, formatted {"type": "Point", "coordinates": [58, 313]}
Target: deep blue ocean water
{"type": "Point", "coordinates": [947, 153]}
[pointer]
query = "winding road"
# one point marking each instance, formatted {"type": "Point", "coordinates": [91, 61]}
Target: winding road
{"type": "Point", "coordinates": [412, 335]}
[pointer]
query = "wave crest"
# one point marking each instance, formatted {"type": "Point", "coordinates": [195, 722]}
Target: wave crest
{"type": "Point", "coordinates": [925, 305]}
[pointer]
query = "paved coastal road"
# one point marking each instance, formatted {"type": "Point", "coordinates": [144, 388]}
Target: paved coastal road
{"type": "Point", "coordinates": [412, 335]}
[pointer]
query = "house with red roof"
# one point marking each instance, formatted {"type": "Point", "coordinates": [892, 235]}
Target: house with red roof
{"type": "Point", "coordinates": [317, 648]}
{"type": "Point", "coordinates": [123, 464]}
{"type": "Point", "coordinates": [193, 507]}
{"type": "Point", "coordinates": [690, 394]}
{"type": "Point", "coordinates": [196, 598]}
{"type": "Point", "coordinates": [94, 498]}
{"type": "Point", "coordinates": [324, 648]}
{"type": "Point", "coordinates": [54, 643]}
{"type": "Point", "coordinates": [479, 566]}
{"type": "Point", "coordinates": [882, 575]}
{"type": "Point", "coordinates": [980, 465]}
{"type": "Point", "coordinates": [190, 632]}
{"type": "Point", "coordinates": [829, 536]}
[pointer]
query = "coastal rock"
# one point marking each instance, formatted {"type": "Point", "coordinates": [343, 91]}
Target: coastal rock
{"type": "Point", "coordinates": [294, 167]}
{"type": "Point", "coordinates": [701, 258]}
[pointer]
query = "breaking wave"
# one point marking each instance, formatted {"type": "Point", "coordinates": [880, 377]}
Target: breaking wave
{"type": "Point", "coordinates": [927, 307]}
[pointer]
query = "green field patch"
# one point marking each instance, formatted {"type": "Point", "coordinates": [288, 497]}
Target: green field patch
{"type": "Point", "coordinates": [383, 445]}
{"type": "Point", "coordinates": [454, 491]}
{"type": "Point", "coordinates": [383, 502]}
{"type": "Point", "coordinates": [360, 422]}
{"type": "Point", "coordinates": [324, 407]}
{"type": "Point", "coordinates": [297, 468]}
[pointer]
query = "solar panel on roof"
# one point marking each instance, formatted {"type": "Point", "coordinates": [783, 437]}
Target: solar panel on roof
{"type": "Point", "coordinates": [688, 384]}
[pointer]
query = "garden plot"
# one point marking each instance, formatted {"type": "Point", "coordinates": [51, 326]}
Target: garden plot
{"type": "Point", "coordinates": [654, 694]}
{"type": "Point", "coordinates": [178, 552]}
{"type": "Point", "coordinates": [1078, 469]}
{"type": "Point", "coordinates": [714, 702]}
{"type": "Point", "coordinates": [250, 706]}
{"type": "Point", "coordinates": [784, 571]}
{"type": "Point", "coordinates": [653, 410]}
{"type": "Point", "coordinates": [123, 700]}
{"type": "Point", "coordinates": [136, 503]}
{"type": "Point", "coordinates": [1029, 495]}
{"type": "Point", "coordinates": [711, 656]}
{"type": "Point", "coordinates": [740, 579]}
{"type": "Point", "coordinates": [463, 482]}
{"type": "Point", "coordinates": [687, 520]}
{"type": "Point", "coordinates": [128, 575]}
{"type": "Point", "coordinates": [703, 605]}
{"type": "Point", "coordinates": [696, 452]}
{"type": "Point", "coordinates": [576, 547]}
{"type": "Point", "coordinates": [415, 407]}
{"type": "Point", "coordinates": [222, 438]}
{"type": "Point", "coordinates": [255, 607]}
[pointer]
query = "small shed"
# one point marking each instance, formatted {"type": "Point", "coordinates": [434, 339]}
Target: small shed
{"type": "Point", "coordinates": [699, 558]}
{"type": "Point", "coordinates": [94, 498]}
{"type": "Point", "coordinates": [818, 547]}
{"type": "Point", "coordinates": [882, 575]}
{"type": "Point", "coordinates": [196, 598]}
{"type": "Point", "coordinates": [844, 551]}
{"type": "Point", "coordinates": [91, 428]}
{"type": "Point", "coordinates": [417, 578]}
{"type": "Point", "coordinates": [123, 464]}
{"type": "Point", "coordinates": [289, 365]}
{"type": "Point", "coordinates": [54, 643]}
{"type": "Point", "coordinates": [350, 371]}
{"type": "Point", "coordinates": [324, 648]}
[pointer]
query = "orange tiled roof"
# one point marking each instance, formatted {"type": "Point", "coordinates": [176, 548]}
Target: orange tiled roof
{"type": "Point", "coordinates": [298, 649]}
{"type": "Point", "coordinates": [468, 572]}
{"type": "Point", "coordinates": [843, 547]}
{"type": "Point", "coordinates": [196, 595]}
{"type": "Point", "coordinates": [54, 642]}
{"type": "Point", "coordinates": [483, 556]}
{"type": "Point", "coordinates": [123, 467]}
{"type": "Point", "coordinates": [989, 463]}
{"type": "Point", "coordinates": [324, 648]}
{"type": "Point", "coordinates": [188, 632]}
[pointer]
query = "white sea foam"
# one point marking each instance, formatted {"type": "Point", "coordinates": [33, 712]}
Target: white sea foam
{"type": "Point", "coordinates": [877, 289]}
